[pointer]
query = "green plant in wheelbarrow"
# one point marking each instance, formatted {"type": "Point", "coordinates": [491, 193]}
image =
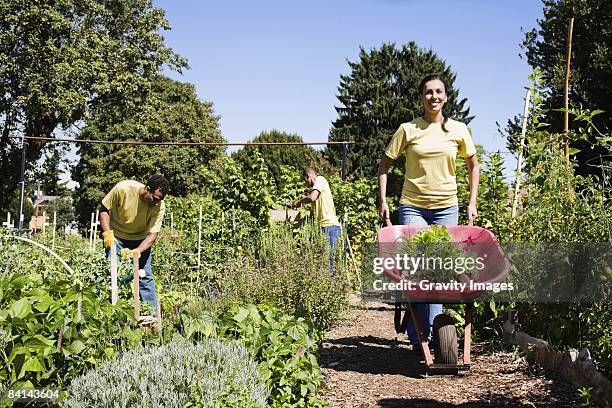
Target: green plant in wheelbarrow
{"type": "Point", "coordinates": [434, 256]}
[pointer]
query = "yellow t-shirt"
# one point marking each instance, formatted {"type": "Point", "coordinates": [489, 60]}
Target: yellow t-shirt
{"type": "Point", "coordinates": [323, 208]}
{"type": "Point", "coordinates": [429, 179]}
{"type": "Point", "coordinates": [130, 217]}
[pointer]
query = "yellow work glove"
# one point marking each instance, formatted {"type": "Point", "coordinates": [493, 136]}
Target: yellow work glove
{"type": "Point", "coordinates": [109, 238]}
{"type": "Point", "coordinates": [127, 253]}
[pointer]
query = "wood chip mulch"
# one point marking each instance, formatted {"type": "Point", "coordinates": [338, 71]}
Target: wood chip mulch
{"type": "Point", "coordinates": [365, 366]}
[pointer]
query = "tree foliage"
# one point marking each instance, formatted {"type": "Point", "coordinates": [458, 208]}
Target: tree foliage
{"type": "Point", "coordinates": [591, 66]}
{"type": "Point", "coordinates": [296, 156]}
{"type": "Point", "coordinates": [62, 62]}
{"type": "Point", "coordinates": [172, 112]}
{"type": "Point", "coordinates": [378, 95]}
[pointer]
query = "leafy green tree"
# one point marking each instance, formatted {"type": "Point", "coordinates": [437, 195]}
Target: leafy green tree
{"type": "Point", "coordinates": [296, 156]}
{"type": "Point", "coordinates": [64, 62]}
{"type": "Point", "coordinates": [591, 67]}
{"type": "Point", "coordinates": [172, 112]}
{"type": "Point", "coordinates": [378, 95]}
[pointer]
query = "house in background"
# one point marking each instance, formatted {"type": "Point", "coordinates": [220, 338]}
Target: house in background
{"type": "Point", "coordinates": [39, 217]}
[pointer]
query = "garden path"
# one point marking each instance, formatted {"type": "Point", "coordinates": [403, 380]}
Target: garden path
{"type": "Point", "coordinates": [365, 368]}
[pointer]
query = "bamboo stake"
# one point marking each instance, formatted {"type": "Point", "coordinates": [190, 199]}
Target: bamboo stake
{"type": "Point", "coordinates": [570, 30]}
{"type": "Point", "coordinates": [348, 242]}
{"type": "Point", "coordinates": [113, 271]}
{"type": "Point", "coordinates": [44, 221]}
{"type": "Point", "coordinates": [54, 227]}
{"type": "Point", "coordinates": [519, 162]}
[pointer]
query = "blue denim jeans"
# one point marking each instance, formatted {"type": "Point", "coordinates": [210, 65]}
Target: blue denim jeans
{"type": "Point", "coordinates": [146, 284]}
{"type": "Point", "coordinates": [333, 233]}
{"type": "Point", "coordinates": [427, 312]}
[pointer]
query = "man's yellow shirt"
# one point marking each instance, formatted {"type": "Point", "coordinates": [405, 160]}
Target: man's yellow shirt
{"type": "Point", "coordinates": [323, 208]}
{"type": "Point", "coordinates": [130, 217]}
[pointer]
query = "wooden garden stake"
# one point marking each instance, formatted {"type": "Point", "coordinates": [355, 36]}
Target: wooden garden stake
{"type": "Point", "coordinates": [44, 223]}
{"type": "Point", "coordinates": [136, 288]}
{"type": "Point", "coordinates": [113, 271]}
{"type": "Point", "coordinates": [519, 162]}
{"type": "Point", "coordinates": [54, 227]}
{"type": "Point", "coordinates": [91, 231]}
{"type": "Point", "coordinates": [95, 233]}
{"type": "Point", "coordinates": [7, 224]}
{"type": "Point", "coordinates": [158, 322]}
{"type": "Point", "coordinates": [570, 30]}
{"type": "Point", "coordinates": [200, 239]}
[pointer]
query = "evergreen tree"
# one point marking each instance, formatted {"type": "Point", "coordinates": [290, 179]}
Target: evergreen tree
{"type": "Point", "coordinates": [378, 95]}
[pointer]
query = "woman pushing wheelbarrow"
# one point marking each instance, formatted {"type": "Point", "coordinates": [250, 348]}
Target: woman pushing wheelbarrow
{"type": "Point", "coordinates": [430, 144]}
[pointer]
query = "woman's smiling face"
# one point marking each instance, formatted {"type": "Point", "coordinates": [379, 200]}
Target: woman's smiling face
{"type": "Point", "coordinates": [434, 96]}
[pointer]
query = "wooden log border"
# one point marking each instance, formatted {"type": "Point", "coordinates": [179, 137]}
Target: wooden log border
{"type": "Point", "coordinates": [574, 366]}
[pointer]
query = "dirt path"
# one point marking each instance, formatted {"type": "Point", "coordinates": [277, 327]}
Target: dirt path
{"type": "Point", "coordinates": [365, 367]}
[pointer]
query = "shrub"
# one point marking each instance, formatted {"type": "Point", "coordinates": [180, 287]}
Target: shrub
{"type": "Point", "coordinates": [171, 376]}
{"type": "Point", "coordinates": [292, 271]}
{"type": "Point", "coordinates": [285, 348]}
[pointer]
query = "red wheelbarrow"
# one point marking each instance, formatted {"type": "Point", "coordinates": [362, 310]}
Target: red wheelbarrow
{"type": "Point", "coordinates": [483, 245]}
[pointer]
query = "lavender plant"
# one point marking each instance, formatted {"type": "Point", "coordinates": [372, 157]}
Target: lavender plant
{"type": "Point", "coordinates": [172, 375]}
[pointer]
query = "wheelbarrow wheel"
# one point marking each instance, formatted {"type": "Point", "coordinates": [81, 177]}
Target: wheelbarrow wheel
{"type": "Point", "coordinates": [445, 340]}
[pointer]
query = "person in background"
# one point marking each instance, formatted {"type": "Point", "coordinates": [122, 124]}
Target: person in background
{"type": "Point", "coordinates": [429, 195]}
{"type": "Point", "coordinates": [131, 216]}
{"type": "Point", "coordinates": [323, 209]}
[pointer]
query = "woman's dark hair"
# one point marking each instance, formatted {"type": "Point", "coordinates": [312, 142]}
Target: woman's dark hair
{"type": "Point", "coordinates": [439, 77]}
{"type": "Point", "coordinates": [157, 181]}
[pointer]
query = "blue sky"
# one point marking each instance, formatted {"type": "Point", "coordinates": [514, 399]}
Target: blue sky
{"type": "Point", "coordinates": [276, 64]}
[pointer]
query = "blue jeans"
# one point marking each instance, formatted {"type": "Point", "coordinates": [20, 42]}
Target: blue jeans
{"type": "Point", "coordinates": [333, 233]}
{"type": "Point", "coordinates": [146, 284]}
{"type": "Point", "coordinates": [427, 312]}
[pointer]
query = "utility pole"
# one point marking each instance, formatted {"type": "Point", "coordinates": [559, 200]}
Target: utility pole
{"type": "Point", "coordinates": [22, 180]}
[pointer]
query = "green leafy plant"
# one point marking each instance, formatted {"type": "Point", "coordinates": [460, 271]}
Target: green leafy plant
{"type": "Point", "coordinates": [284, 346]}
{"type": "Point", "coordinates": [177, 374]}
{"type": "Point", "coordinates": [439, 254]}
